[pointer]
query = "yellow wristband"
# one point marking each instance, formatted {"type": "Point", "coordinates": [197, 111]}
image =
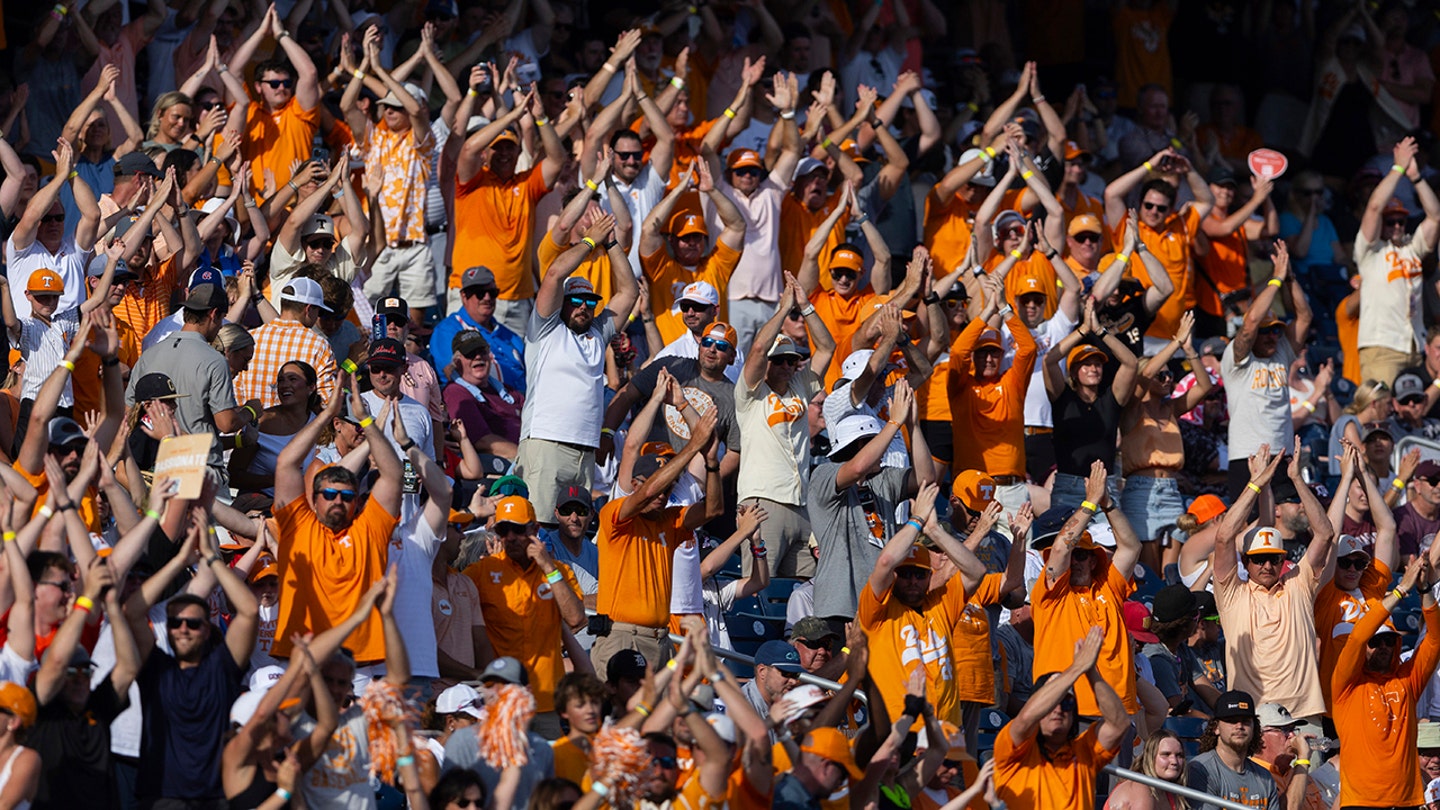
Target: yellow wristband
{"type": "Point", "coordinates": [1147, 166]}
{"type": "Point", "coordinates": [1399, 594]}
{"type": "Point", "coordinates": [1308, 406]}
{"type": "Point", "coordinates": [1252, 487]}
{"type": "Point", "coordinates": [1274, 282]}
{"type": "Point", "coordinates": [589, 242]}
{"type": "Point", "coordinates": [1089, 507]}
{"type": "Point", "coordinates": [670, 664]}
{"type": "Point", "coordinates": [642, 709]}
{"type": "Point", "coordinates": [845, 650]}
{"type": "Point", "coordinates": [1123, 258]}
{"type": "Point", "coordinates": [677, 82]}
{"type": "Point", "coordinates": [989, 152]}
{"type": "Point", "coordinates": [468, 93]}
{"type": "Point", "coordinates": [349, 365]}
{"type": "Point", "coordinates": [590, 184]}
{"type": "Point", "coordinates": [8, 536]}
{"type": "Point", "coordinates": [360, 74]}
{"type": "Point", "coordinates": [972, 106]}
{"type": "Point", "coordinates": [1398, 483]}
{"type": "Point", "coordinates": [1177, 143]}
{"type": "Point", "coordinates": [367, 422]}
{"type": "Point", "coordinates": [1015, 254]}
{"type": "Point", "coordinates": [1302, 762]}
{"type": "Point", "coordinates": [152, 514]}
{"type": "Point", "coordinates": [1435, 383]}
{"type": "Point", "coordinates": [540, 122]}
{"type": "Point", "coordinates": [72, 175]}
{"type": "Point", "coordinates": [1027, 174]}
{"type": "Point", "coordinates": [1397, 168]}
{"type": "Point", "coordinates": [729, 113]}
{"type": "Point", "coordinates": [84, 603]}
{"type": "Point", "coordinates": [68, 366]}
{"type": "Point", "coordinates": [46, 512]}
{"type": "Point", "coordinates": [827, 143]}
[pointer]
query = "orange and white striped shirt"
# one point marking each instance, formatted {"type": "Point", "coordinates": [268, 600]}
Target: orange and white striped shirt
{"type": "Point", "coordinates": [277, 343]}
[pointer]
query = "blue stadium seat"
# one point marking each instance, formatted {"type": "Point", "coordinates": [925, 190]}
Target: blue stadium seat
{"type": "Point", "coordinates": [776, 595]}
{"type": "Point", "coordinates": [1186, 728]}
{"type": "Point", "coordinates": [754, 627]}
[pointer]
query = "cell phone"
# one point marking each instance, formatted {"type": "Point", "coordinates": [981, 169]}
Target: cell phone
{"type": "Point", "coordinates": [321, 155]}
{"type": "Point", "coordinates": [377, 327]}
{"type": "Point", "coordinates": [485, 85]}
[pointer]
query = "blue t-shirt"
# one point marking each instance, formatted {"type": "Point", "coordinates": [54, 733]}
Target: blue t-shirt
{"type": "Point", "coordinates": [1322, 240]}
{"type": "Point", "coordinates": [186, 714]}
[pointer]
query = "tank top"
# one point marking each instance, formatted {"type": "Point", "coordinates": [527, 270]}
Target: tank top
{"type": "Point", "coordinates": [5, 776]}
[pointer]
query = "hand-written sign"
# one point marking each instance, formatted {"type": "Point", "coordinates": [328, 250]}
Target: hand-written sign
{"type": "Point", "coordinates": [183, 459]}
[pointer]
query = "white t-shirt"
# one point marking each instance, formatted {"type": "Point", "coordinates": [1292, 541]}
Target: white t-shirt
{"type": "Point", "coordinates": [260, 656]}
{"type": "Point", "coordinates": [640, 198]}
{"type": "Point", "coordinates": [565, 379]}
{"type": "Point", "coordinates": [775, 439]}
{"type": "Point", "coordinates": [1047, 334]}
{"type": "Point", "coordinates": [718, 601]}
{"type": "Point", "coordinates": [1258, 391]}
{"type": "Point", "coordinates": [70, 262]}
{"type": "Point", "coordinates": [413, 547]}
{"type": "Point", "coordinates": [13, 668]}
{"type": "Point", "coordinates": [1391, 292]}
{"type": "Point", "coordinates": [340, 779]}
{"type": "Point", "coordinates": [686, 587]}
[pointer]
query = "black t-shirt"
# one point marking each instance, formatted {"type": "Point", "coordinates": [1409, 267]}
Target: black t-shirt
{"type": "Point", "coordinates": [1084, 431]}
{"type": "Point", "coordinates": [74, 749]}
{"type": "Point", "coordinates": [1128, 319]}
{"type": "Point", "coordinates": [186, 713]}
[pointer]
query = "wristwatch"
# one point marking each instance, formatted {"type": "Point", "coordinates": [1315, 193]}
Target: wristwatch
{"type": "Point", "coordinates": [930, 299]}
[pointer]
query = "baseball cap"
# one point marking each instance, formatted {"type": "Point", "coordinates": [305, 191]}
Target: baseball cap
{"type": "Point", "coordinates": [783, 345]}
{"type": "Point", "coordinates": [318, 225]}
{"type": "Point", "coordinates": [626, 665]}
{"type": "Point", "coordinates": [1004, 219]}
{"type": "Point", "coordinates": [700, 292]}
{"type": "Point", "coordinates": [703, 698]}
{"type": "Point", "coordinates": [206, 297]}
{"type": "Point", "coordinates": [846, 259]}
{"type": "Point", "coordinates": [1263, 540]}
{"type": "Point", "coordinates": [916, 557]}
{"type": "Point", "coordinates": [1172, 603]}
{"type": "Point", "coordinates": [1375, 429]}
{"type": "Point", "coordinates": [155, 386]}
{"type": "Point", "coordinates": [581, 287]}
{"type": "Point", "coordinates": [1432, 790]}
{"type": "Point", "coordinates": [19, 701]}
{"type": "Point", "coordinates": [975, 489]}
{"type": "Point", "coordinates": [781, 656]}
{"type": "Point", "coordinates": [1429, 468]}
{"type": "Point", "coordinates": [1349, 545]}
{"type": "Point", "coordinates": [1284, 490]}
{"type": "Point", "coordinates": [64, 431]}
{"type": "Point", "coordinates": [742, 158]}
{"type": "Point", "coordinates": [1273, 715]}
{"type": "Point", "coordinates": [720, 330]}
{"type": "Point", "coordinates": [829, 743]}
{"type": "Point", "coordinates": [459, 699]}
{"type": "Point", "coordinates": [386, 353]}
{"type": "Point", "coordinates": [686, 223]}
{"type": "Point", "coordinates": [812, 628]}
{"type": "Point", "coordinates": [206, 275]}
{"type": "Point", "coordinates": [807, 165]}
{"type": "Point", "coordinates": [851, 148]}
{"type": "Point", "coordinates": [136, 163]}
{"type": "Point", "coordinates": [1234, 704]}
{"type": "Point", "coordinates": [793, 703]}
{"type": "Point", "coordinates": [1395, 208]}
{"type": "Point", "coordinates": [244, 707]}
{"type": "Point", "coordinates": [1222, 175]}
{"type": "Point", "coordinates": [1213, 346]}
{"type": "Point", "coordinates": [984, 177]}
{"type": "Point", "coordinates": [505, 135]}
{"type": "Point", "coordinates": [509, 484]}
{"type": "Point", "coordinates": [467, 342]}
{"type": "Point", "coordinates": [1137, 621]}
{"type": "Point", "coordinates": [1085, 223]}
{"type": "Point", "coordinates": [304, 291]}
{"type": "Point", "coordinates": [1205, 606]}
{"type": "Point", "coordinates": [648, 464]}
{"type": "Point", "coordinates": [505, 669]}
{"type": "Point", "coordinates": [723, 725]}
{"type": "Point", "coordinates": [392, 100]}
{"type": "Point", "coordinates": [514, 509]}
{"type": "Point", "coordinates": [394, 306]}
{"type": "Point", "coordinates": [853, 428]}
{"type": "Point", "coordinates": [96, 269]}
{"type": "Point", "coordinates": [477, 277]}
{"type": "Point", "coordinates": [45, 282]}
{"type": "Point", "coordinates": [1427, 735]}
{"type": "Point", "coordinates": [1406, 385]}
{"type": "Point", "coordinates": [1082, 353]}
{"type": "Point", "coordinates": [1073, 151]}
{"type": "Point", "coordinates": [1206, 508]}
{"type": "Point", "coordinates": [265, 677]}
{"type": "Point", "coordinates": [573, 494]}
{"type": "Point", "coordinates": [989, 338]}
{"type": "Point", "coordinates": [264, 567]}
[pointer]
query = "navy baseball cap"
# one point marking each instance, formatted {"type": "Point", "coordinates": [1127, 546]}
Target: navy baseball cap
{"type": "Point", "coordinates": [206, 275]}
{"type": "Point", "coordinates": [779, 655]}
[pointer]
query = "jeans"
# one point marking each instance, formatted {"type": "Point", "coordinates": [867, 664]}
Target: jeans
{"type": "Point", "coordinates": [1151, 504]}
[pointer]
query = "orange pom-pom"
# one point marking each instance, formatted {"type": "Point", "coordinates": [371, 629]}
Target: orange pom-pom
{"type": "Point", "coordinates": [620, 759]}
{"type": "Point", "coordinates": [383, 704]}
{"type": "Point", "coordinates": [507, 712]}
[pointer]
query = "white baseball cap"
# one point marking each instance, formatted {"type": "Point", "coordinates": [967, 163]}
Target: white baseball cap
{"type": "Point", "coordinates": [701, 292]}
{"type": "Point", "coordinates": [265, 677]}
{"type": "Point", "coordinates": [1264, 540]}
{"type": "Point", "coordinates": [794, 703]}
{"type": "Point", "coordinates": [460, 699]}
{"type": "Point", "coordinates": [304, 291]}
{"type": "Point", "coordinates": [723, 725]}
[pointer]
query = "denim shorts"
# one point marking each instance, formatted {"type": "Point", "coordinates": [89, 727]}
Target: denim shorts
{"type": "Point", "coordinates": [1151, 504]}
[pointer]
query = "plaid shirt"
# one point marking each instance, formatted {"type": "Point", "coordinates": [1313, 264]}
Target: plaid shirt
{"type": "Point", "coordinates": [277, 343]}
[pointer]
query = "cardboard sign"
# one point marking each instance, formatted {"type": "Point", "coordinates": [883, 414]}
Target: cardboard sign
{"type": "Point", "coordinates": [184, 459]}
{"type": "Point", "coordinates": [1267, 163]}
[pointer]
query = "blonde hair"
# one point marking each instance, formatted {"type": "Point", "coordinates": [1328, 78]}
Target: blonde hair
{"type": "Point", "coordinates": [1369, 392]}
{"type": "Point", "coordinates": [163, 103]}
{"type": "Point", "coordinates": [232, 336]}
{"type": "Point", "coordinates": [1147, 765]}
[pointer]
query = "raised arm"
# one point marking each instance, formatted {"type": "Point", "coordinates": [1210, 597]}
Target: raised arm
{"type": "Point", "coordinates": [289, 465]}
{"type": "Point", "coordinates": [810, 265]}
{"type": "Point", "coordinates": [24, 234]}
{"type": "Point", "coordinates": [1048, 696]}
{"type": "Point", "coordinates": [244, 624]}
{"type": "Point", "coordinates": [1403, 154]}
{"type": "Point", "coordinates": [652, 231]}
{"type": "Point", "coordinates": [1260, 307]}
{"type": "Point", "coordinates": [897, 550]}
{"type": "Point", "coordinates": [307, 78]}
{"type": "Point", "coordinates": [1262, 469]}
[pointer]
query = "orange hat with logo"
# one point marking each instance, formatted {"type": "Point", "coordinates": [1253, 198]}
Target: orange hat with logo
{"type": "Point", "coordinates": [721, 331]}
{"type": "Point", "coordinates": [974, 489]}
{"type": "Point", "coordinates": [988, 339]}
{"type": "Point", "coordinates": [1073, 151]}
{"type": "Point", "coordinates": [1082, 353]}
{"type": "Point", "coordinates": [845, 258]}
{"type": "Point", "coordinates": [20, 702]}
{"type": "Point", "coordinates": [829, 743]}
{"type": "Point", "coordinates": [917, 557]}
{"type": "Point", "coordinates": [1264, 540]}
{"type": "Point", "coordinates": [264, 567]}
{"type": "Point", "coordinates": [45, 281]}
{"type": "Point", "coordinates": [1085, 223]}
{"type": "Point", "coordinates": [1206, 508]}
{"type": "Point", "coordinates": [744, 158]}
{"type": "Point", "coordinates": [686, 223]}
{"type": "Point", "coordinates": [514, 509]}
{"type": "Point", "coordinates": [851, 148]}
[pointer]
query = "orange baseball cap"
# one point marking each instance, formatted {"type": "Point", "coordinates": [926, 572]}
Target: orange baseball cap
{"type": "Point", "coordinates": [1081, 353]}
{"type": "Point", "coordinates": [1206, 508]}
{"type": "Point", "coordinates": [917, 557]}
{"type": "Point", "coordinates": [742, 158]}
{"type": "Point", "coordinates": [975, 489]}
{"type": "Point", "coordinates": [829, 743]}
{"type": "Point", "coordinates": [45, 281]}
{"type": "Point", "coordinates": [514, 509]}
{"type": "Point", "coordinates": [988, 338]}
{"type": "Point", "coordinates": [851, 148]}
{"type": "Point", "coordinates": [264, 567]}
{"type": "Point", "coordinates": [721, 331]}
{"type": "Point", "coordinates": [20, 702]}
{"type": "Point", "coordinates": [661, 449]}
{"type": "Point", "coordinates": [845, 258]}
{"type": "Point", "coordinates": [686, 223]}
{"type": "Point", "coordinates": [1085, 223]}
{"type": "Point", "coordinates": [1073, 150]}
{"type": "Point", "coordinates": [460, 518]}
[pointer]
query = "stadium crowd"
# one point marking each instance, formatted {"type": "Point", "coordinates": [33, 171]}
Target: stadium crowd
{"type": "Point", "coordinates": [538, 404]}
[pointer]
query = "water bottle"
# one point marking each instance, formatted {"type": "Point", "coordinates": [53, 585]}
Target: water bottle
{"type": "Point", "coordinates": [1324, 744]}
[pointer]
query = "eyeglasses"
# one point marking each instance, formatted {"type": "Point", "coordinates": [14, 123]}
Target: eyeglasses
{"type": "Point", "coordinates": [717, 344]}
{"type": "Point", "coordinates": [1387, 640]}
{"type": "Point", "coordinates": [581, 301]}
{"type": "Point", "coordinates": [346, 495]}
{"type": "Point", "coordinates": [628, 156]}
{"type": "Point", "coordinates": [1087, 237]}
{"type": "Point", "coordinates": [1354, 562]}
{"type": "Point", "coordinates": [818, 644]}
{"type": "Point", "coordinates": [1160, 207]}
{"type": "Point", "coordinates": [844, 273]}
{"type": "Point", "coordinates": [190, 622]}
{"type": "Point", "coordinates": [276, 84]}
{"type": "Point", "coordinates": [572, 509]}
{"type": "Point", "coordinates": [1260, 560]}
{"type": "Point", "coordinates": [693, 306]}
{"type": "Point", "coordinates": [65, 585]}
{"type": "Point", "coordinates": [52, 218]}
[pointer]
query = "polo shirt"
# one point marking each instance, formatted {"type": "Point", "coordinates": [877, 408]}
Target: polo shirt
{"type": "Point", "coordinates": [506, 347]}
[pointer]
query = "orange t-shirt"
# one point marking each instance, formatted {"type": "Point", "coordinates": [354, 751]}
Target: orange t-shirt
{"type": "Point", "coordinates": [572, 757]}
{"type": "Point", "coordinates": [1032, 274]}
{"type": "Point", "coordinates": [495, 227]}
{"type": "Point", "coordinates": [1312, 801]}
{"type": "Point", "coordinates": [693, 796]}
{"type": "Point", "coordinates": [934, 396]}
{"type": "Point", "coordinates": [637, 558]}
{"type": "Point", "coordinates": [90, 396]}
{"type": "Point", "coordinates": [152, 305]}
{"type": "Point", "coordinates": [1336, 612]}
{"type": "Point", "coordinates": [324, 574]}
{"type": "Point", "coordinates": [595, 268]}
{"type": "Point", "coordinates": [275, 141]}
{"type": "Point", "coordinates": [902, 638]}
{"type": "Point", "coordinates": [88, 511]}
{"type": "Point", "coordinates": [1172, 247]}
{"type": "Point", "coordinates": [947, 232]}
{"type": "Point", "coordinates": [523, 620]}
{"type": "Point", "coordinates": [1227, 264]}
{"type": "Point", "coordinates": [668, 278]}
{"type": "Point", "coordinates": [1375, 715]}
{"type": "Point", "coordinates": [970, 644]}
{"type": "Point", "coordinates": [798, 223]}
{"type": "Point", "coordinates": [988, 419]}
{"type": "Point", "coordinates": [1064, 613]}
{"type": "Point", "coordinates": [741, 795]}
{"type": "Point", "coordinates": [1024, 777]}
{"type": "Point", "coordinates": [842, 316]}
{"type": "Point", "coordinates": [1348, 330]}
{"type": "Point", "coordinates": [1142, 51]}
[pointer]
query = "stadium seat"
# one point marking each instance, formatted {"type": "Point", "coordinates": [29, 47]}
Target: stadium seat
{"type": "Point", "coordinates": [776, 596]}
{"type": "Point", "coordinates": [1186, 728]}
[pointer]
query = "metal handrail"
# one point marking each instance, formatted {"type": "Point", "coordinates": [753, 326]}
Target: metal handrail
{"type": "Point", "coordinates": [805, 677]}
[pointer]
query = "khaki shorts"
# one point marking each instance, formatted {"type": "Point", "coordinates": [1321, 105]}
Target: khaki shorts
{"type": "Point", "coordinates": [786, 532]}
{"type": "Point", "coordinates": [413, 266]}
{"type": "Point", "coordinates": [653, 643]}
{"type": "Point", "coordinates": [549, 466]}
{"type": "Point", "coordinates": [514, 314]}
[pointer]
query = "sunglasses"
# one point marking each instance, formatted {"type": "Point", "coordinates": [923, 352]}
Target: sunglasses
{"type": "Point", "coordinates": [848, 275]}
{"type": "Point", "coordinates": [1394, 223]}
{"type": "Point", "coordinates": [1081, 554]}
{"type": "Point", "coordinates": [1387, 640]}
{"type": "Point", "coordinates": [190, 623]}
{"type": "Point", "coordinates": [1354, 562]}
{"type": "Point", "coordinates": [717, 344]}
{"type": "Point", "coordinates": [209, 105]}
{"type": "Point", "coordinates": [820, 644]}
{"type": "Point", "coordinates": [321, 244]}
{"type": "Point", "coordinates": [795, 315]}
{"type": "Point", "coordinates": [1087, 237]}
{"type": "Point", "coordinates": [911, 572]}
{"type": "Point", "coordinates": [484, 292]}
{"type": "Point", "coordinates": [510, 528]}
{"type": "Point", "coordinates": [276, 84]}
{"type": "Point", "coordinates": [628, 156]}
{"type": "Point", "coordinates": [65, 585]}
{"type": "Point", "coordinates": [481, 354]}
{"type": "Point", "coordinates": [749, 171]}
{"type": "Point", "coordinates": [572, 509]}
{"type": "Point", "coordinates": [953, 764]}
{"type": "Point", "coordinates": [52, 218]}
{"type": "Point", "coordinates": [1416, 400]}
{"type": "Point", "coordinates": [466, 804]}
{"type": "Point", "coordinates": [580, 301]}
{"type": "Point", "coordinates": [1161, 207]}
{"type": "Point", "coordinates": [953, 304]}
{"type": "Point", "coordinates": [1272, 330]}
{"type": "Point", "coordinates": [1260, 560]}
{"type": "Point", "coordinates": [1431, 481]}
{"type": "Point", "coordinates": [346, 495]}
{"type": "Point", "coordinates": [666, 763]}
{"type": "Point", "coordinates": [1164, 376]}
{"type": "Point", "coordinates": [693, 306]}
{"type": "Point", "coordinates": [85, 670]}
{"type": "Point", "coordinates": [788, 360]}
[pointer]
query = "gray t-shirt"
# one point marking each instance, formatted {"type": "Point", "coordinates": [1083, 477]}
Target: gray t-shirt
{"type": "Point", "coordinates": [851, 527]}
{"type": "Point", "coordinates": [462, 750]}
{"type": "Point", "coordinates": [1253, 787]}
{"type": "Point", "coordinates": [1258, 391]}
{"type": "Point", "coordinates": [201, 377]}
{"type": "Point", "coordinates": [719, 394]}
